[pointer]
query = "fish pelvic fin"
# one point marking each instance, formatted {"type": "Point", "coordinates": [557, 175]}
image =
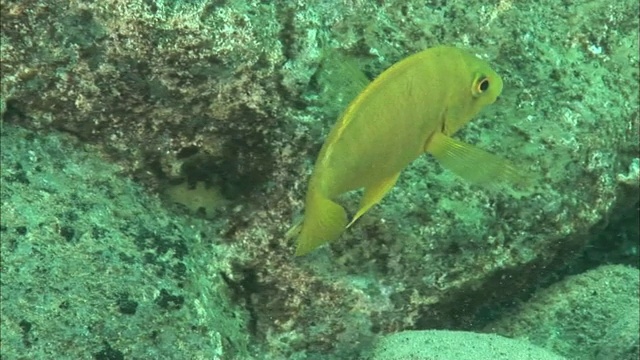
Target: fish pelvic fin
{"type": "Point", "coordinates": [324, 221]}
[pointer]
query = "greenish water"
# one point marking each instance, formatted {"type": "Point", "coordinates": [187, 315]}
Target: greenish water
{"type": "Point", "coordinates": [154, 155]}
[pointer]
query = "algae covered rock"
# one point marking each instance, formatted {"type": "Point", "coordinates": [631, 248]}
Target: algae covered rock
{"type": "Point", "coordinates": [94, 267]}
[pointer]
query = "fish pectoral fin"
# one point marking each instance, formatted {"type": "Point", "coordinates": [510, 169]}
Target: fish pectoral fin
{"type": "Point", "coordinates": [373, 194]}
{"type": "Point", "coordinates": [472, 163]}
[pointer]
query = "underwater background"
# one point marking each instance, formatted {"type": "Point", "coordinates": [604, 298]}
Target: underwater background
{"type": "Point", "coordinates": [155, 152]}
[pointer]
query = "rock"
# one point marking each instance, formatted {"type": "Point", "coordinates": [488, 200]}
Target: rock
{"type": "Point", "coordinates": [593, 315]}
{"type": "Point", "coordinates": [456, 345]}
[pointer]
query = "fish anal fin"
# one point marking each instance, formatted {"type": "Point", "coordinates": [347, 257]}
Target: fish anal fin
{"type": "Point", "coordinates": [295, 229]}
{"type": "Point", "coordinates": [373, 194]}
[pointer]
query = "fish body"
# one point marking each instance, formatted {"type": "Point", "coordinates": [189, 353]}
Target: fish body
{"type": "Point", "coordinates": [411, 108]}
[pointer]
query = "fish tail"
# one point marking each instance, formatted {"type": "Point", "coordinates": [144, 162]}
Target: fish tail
{"type": "Point", "coordinates": [324, 221]}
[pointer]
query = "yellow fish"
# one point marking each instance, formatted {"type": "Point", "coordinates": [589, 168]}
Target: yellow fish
{"type": "Point", "coordinates": [411, 108]}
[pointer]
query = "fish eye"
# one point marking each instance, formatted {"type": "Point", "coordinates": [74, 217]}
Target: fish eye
{"type": "Point", "coordinates": [483, 85]}
{"type": "Point", "coordinates": [480, 85]}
